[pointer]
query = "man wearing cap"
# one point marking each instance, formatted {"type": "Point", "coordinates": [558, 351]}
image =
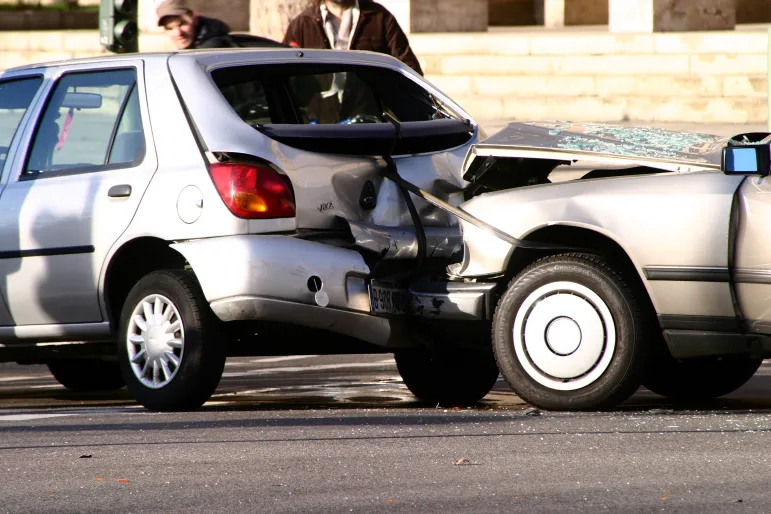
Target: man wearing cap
{"type": "Point", "coordinates": [188, 30]}
{"type": "Point", "coordinates": [351, 25]}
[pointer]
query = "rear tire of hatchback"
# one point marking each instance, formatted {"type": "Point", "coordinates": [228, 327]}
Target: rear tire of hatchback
{"type": "Point", "coordinates": [84, 375]}
{"type": "Point", "coordinates": [447, 377]}
{"type": "Point", "coordinates": [171, 346]}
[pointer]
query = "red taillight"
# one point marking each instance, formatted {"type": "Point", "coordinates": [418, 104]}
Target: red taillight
{"type": "Point", "coordinates": [252, 191]}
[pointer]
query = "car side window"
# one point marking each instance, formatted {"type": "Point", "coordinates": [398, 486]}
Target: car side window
{"type": "Point", "coordinates": [91, 122]}
{"type": "Point", "coordinates": [15, 98]}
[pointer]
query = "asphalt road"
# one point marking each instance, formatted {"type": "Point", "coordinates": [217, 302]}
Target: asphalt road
{"type": "Point", "coordinates": [342, 434]}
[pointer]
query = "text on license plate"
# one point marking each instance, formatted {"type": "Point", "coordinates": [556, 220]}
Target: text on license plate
{"type": "Point", "coordinates": [388, 300]}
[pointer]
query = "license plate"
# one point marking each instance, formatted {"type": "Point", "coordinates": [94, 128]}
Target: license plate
{"type": "Point", "coordinates": [388, 300]}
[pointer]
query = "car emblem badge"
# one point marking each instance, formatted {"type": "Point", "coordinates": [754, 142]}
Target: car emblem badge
{"type": "Point", "coordinates": [368, 197]}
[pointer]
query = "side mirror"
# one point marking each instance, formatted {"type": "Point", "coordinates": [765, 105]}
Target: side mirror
{"type": "Point", "coordinates": [746, 160]}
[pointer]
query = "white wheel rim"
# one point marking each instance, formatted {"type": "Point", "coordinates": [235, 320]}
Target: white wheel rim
{"type": "Point", "coordinates": [155, 341]}
{"type": "Point", "coordinates": [564, 336]}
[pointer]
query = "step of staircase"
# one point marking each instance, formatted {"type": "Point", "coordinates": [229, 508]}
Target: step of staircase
{"type": "Point", "coordinates": [590, 74]}
{"type": "Point", "coordinates": [580, 74]}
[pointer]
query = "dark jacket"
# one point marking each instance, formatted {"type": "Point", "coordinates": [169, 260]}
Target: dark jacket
{"type": "Point", "coordinates": [213, 33]}
{"type": "Point", "coordinates": [377, 31]}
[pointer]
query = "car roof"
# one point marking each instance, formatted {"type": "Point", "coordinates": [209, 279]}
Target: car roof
{"type": "Point", "coordinates": [213, 57]}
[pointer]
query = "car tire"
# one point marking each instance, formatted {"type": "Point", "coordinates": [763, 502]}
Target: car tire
{"type": "Point", "coordinates": [171, 346]}
{"type": "Point", "coordinates": [568, 334]}
{"type": "Point", "coordinates": [83, 375]}
{"type": "Point", "coordinates": [701, 379]}
{"type": "Point", "coordinates": [447, 377]}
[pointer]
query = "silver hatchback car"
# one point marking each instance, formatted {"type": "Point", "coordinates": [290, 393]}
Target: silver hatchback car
{"type": "Point", "coordinates": [195, 205]}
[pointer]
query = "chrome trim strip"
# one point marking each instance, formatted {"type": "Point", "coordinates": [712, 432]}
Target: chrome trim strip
{"type": "Point", "coordinates": [700, 323]}
{"type": "Point", "coordinates": [687, 344]}
{"type": "Point", "coordinates": [753, 276]}
{"type": "Point", "coordinates": [707, 274]}
{"type": "Point", "coordinates": [687, 274]}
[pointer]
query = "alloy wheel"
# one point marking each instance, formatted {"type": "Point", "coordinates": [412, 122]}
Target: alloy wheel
{"type": "Point", "coordinates": [155, 341]}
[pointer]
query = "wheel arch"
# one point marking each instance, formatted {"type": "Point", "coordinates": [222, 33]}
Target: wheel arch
{"type": "Point", "coordinates": [590, 241]}
{"type": "Point", "coordinates": [129, 263]}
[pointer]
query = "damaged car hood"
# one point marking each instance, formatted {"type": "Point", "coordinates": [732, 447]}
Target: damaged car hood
{"type": "Point", "coordinates": [566, 141]}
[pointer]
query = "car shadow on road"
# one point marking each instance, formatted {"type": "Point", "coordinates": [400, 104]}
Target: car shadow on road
{"type": "Point", "coordinates": [755, 395]}
{"type": "Point", "coordinates": [389, 394]}
{"type": "Point", "coordinates": [57, 397]}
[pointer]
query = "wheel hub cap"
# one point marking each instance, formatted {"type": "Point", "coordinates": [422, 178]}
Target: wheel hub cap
{"type": "Point", "coordinates": [155, 342]}
{"type": "Point", "coordinates": [564, 336]}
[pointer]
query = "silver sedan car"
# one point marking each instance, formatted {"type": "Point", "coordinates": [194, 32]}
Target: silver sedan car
{"type": "Point", "coordinates": [160, 212]}
{"type": "Point", "coordinates": [621, 256]}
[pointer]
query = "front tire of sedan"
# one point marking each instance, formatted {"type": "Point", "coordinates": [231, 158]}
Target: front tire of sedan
{"type": "Point", "coordinates": [447, 377]}
{"type": "Point", "coordinates": [701, 379]}
{"type": "Point", "coordinates": [568, 334]}
{"type": "Point", "coordinates": [171, 347]}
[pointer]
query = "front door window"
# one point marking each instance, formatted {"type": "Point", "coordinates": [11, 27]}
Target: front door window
{"type": "Point", "coordinates": [91, 122]}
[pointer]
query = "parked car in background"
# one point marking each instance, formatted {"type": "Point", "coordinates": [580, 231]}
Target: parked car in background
{"type": "Point", "coordinates": [161, 212]}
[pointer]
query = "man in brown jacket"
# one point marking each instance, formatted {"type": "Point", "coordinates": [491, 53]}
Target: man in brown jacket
{"type": "Point", "coordinates": [351, 25]}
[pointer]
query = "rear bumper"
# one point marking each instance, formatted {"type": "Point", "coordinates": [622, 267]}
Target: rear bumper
{"type": "Point", "coordinates": [362, 326]}
{"type": "Point", "coordinates": [283, 279]}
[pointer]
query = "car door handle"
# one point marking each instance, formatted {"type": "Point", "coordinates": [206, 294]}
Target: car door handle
{"type": "Point", "coordinates": [121, 191]}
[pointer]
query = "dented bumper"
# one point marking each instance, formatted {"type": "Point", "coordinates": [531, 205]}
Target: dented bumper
{"type": "Point", "coordinates": [452, 300]}
{"type": "Point", "coordinates": [283, 279]}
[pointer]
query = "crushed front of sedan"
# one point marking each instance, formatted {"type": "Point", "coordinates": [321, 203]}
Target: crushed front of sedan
{"type": "Point", "coordinates": [629, 256]}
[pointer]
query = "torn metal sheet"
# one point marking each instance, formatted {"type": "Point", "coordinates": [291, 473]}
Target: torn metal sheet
{"type": "Point", "coordinates": [402, 242]}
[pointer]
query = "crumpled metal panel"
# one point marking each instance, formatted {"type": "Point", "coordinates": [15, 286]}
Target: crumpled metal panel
{"type": "Point", "coordinates": [402, 242]}
{"type": "Point", "coordinates": [327, 187]}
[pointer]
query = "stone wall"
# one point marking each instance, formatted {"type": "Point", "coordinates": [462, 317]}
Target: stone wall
{"type": "Point", "coordinates": [595, 12]}
{"type": "Point", "coordinates": [680, 15]}
{"type": "Point", "coordinates": [586, 12]}
{"type": "Point", "coordinates": [531, 12]}
{"type": "Point", "coordinates": [753, 11]}
{"type": "Point", "coordinates": [271, 18]}
{"type": "Point", "coordinates": [507, 13]}
{"type": "Point", "coordinates": [448, 16]}
{"type": "Point", "coordinates": [48, 20]}
{"type": "Point", "coordinates": [516, 75]}
{"type": "Point", "coordinates": [594, 75]}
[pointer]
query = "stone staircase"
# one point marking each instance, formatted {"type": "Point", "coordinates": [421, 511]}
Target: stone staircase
{"type": "Point", "coordinates": [535, 73]}
{"type": "Point", "coordinates": [590, 74]}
